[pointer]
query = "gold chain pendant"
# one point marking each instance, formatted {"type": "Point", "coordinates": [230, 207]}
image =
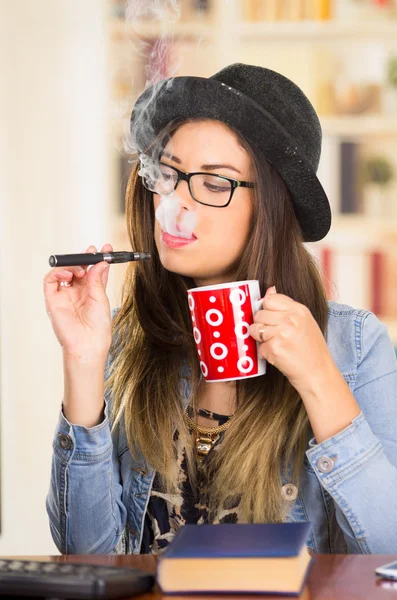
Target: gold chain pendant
{"type": "Point", "coordinates": [204, 444]}
{"type": "Point", "coordinates": [205, 430]}
{"type": "Point", "coordinates": [206, 437]}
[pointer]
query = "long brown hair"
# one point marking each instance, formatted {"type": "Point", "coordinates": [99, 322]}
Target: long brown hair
{"type": "Point", "coordinates": [155, 343]}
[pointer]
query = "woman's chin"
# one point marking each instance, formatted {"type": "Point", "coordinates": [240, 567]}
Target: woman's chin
{"type": "Point", "coordinates": [198, 273]}
{"type": "Point", "coordinates": [178, 266]}
{"type": "Point", "coordinates": [181, 265]}
{"type": "Point", "coordinates": [194, 265]}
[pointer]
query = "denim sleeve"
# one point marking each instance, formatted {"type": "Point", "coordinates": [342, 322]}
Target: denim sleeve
{"type": "Point", "coordinates": [84, 502]}
{"type": "Point", "coordinates": [358, 466]}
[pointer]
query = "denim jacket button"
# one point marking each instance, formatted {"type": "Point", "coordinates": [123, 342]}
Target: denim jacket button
{"type": "Point", "coordinates": [325, 464]}
{"type": "Point", "coordinates": [289, 491]}
{"type": "Point", "coordinates": [64, 441]}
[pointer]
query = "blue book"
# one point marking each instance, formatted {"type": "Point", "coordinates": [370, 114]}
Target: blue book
{"type": "Point", "coordinates": [263, 558]}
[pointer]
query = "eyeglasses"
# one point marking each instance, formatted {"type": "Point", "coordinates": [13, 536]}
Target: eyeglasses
{"type": "Point", "coordinates": [211, 190]}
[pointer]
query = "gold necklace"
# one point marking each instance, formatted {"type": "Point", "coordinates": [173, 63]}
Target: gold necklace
{"type": "Point", "coordinates": [206, 436]}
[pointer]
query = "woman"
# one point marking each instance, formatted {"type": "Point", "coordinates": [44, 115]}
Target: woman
{"type": "Point", "coordinates": [316, 437]}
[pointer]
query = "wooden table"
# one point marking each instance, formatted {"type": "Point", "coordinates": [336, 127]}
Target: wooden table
{"type": "Point", "coordinates": [332, 577]}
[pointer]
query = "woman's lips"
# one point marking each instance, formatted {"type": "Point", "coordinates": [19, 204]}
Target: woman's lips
{"type": "Point", "coordinates": [176, 242]}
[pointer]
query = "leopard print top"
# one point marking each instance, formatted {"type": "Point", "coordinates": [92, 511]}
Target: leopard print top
{"type": "Point", "coordinates": [166, 513]}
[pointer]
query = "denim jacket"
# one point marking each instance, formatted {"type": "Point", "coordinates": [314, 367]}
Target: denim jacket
{"type": "Point", "coordinates": [98, 494]}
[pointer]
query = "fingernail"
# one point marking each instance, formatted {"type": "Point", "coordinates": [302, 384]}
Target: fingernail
{"type": "Point", "coordinates": [79, 269]}
{"type": "Point", "coordinates": [272, 290]}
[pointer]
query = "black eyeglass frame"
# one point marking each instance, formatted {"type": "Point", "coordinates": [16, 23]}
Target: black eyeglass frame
{"type": "Point", "coordinates": [182, 176]}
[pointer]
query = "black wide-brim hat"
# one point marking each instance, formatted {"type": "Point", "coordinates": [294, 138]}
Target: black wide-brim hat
{"type": "Point", "coordinates": [269, 110]}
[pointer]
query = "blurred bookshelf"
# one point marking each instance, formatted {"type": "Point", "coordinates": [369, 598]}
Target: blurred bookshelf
{"type": "Point", "coordinates": [290, 31]}
{"type": "Point", "coordinates": [153, 29]}
{"type": "Point", "coordinates": [315, 31]}
{"type": "Point", "coordinates": [343, 54]}
{"type": "Point", "coordinates": [348, 126]}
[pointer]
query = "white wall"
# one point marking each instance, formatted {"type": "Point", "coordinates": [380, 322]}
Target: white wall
{"type": "Point", "coordinates": [53, 199]}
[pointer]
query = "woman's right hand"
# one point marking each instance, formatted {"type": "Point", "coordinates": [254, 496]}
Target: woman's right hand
{"type": "Point", "coordinates": [80, 314]}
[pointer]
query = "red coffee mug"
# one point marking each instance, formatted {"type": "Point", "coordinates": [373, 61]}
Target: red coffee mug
{"type": "Point", "coordinates": [221, 315]}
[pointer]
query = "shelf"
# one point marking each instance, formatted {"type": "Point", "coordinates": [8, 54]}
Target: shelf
{"type": "Point", "coordinates": [267, 31]}
{"type": "Point", "coordinates": [354, 126]}
{"type": "Point", "coordinates": [360, 233]}
{"type": "Point", "coordinates": [156, 29]}
{"type": "Point", "coordinates": [318, 30]}
{"type": "Point", "coordinates": [361, 224]}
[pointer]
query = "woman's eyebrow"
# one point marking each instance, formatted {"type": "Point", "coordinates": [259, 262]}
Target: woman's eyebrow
{"type": "Point", "coordinates": [204, 167]}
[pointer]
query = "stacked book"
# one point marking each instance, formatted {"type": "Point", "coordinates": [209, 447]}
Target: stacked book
{"type": "Point", "coordinates": [243, 558]}
{"type": "Point", "coordinates": [286, 10]}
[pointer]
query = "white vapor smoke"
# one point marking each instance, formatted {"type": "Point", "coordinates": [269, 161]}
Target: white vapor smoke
{"type": "Point", "coordinates": [163, 13]}
{"type": "Point", "coordinates": [167, 215]}
{"type": "Point", "coordinates": [172, 217]}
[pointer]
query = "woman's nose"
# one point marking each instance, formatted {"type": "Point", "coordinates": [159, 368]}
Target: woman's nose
{"type": "Point", "coordinates": [183, 191]}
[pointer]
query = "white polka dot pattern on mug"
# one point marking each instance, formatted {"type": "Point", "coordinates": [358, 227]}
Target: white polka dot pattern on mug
{"type": "Point", "coordinates": [215, 318]}
{"type": "Point", "coordinates": [204, 368]}
{"type": "Point", "coordinates": [223, 349]}
{"type": "Point", "coordinates": [237, 297]}
{"type": "Point", "coordinates": [245, 359]}
{"type": "Point", "coordinates": [238, 330]}
{"type": "Point", "coordinates": [197, 335]}
{"type": "Point", "coordinates": [214, 321]}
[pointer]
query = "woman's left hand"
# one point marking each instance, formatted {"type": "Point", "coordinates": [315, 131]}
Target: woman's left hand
{"type": "Point", "coordinates": [291, 340]}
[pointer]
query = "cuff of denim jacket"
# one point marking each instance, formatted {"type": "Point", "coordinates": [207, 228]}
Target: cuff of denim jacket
{"type": "Point", "coordinates": [82, 443]}
{"type": "Point", "coordinates": [344, 453]}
